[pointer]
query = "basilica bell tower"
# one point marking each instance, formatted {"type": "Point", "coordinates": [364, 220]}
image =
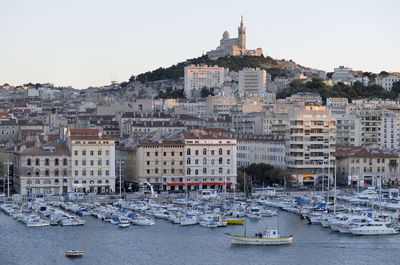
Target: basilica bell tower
{"type": "Point", "coordinates": [242, 37]}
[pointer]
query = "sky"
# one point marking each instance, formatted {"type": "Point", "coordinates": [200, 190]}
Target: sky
{"type": "Point", "coordinates": [83, 43]}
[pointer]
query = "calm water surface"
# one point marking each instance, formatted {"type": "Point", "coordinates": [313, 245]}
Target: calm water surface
{"type": "Point", "coordinates": [165, 243]}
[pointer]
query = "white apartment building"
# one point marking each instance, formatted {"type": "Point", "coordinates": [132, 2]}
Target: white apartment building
{"type": "Point", "coordinates": [267, 149]}
{"type": "Point", "coordinates": [310, 141]}
{"type": "Point", "coordinates": [348, 129]}
{"type": "Point", "coordinates": [371, 125]}
{"type": "Point", "coordinates": [252, 82]}
{"type": "Point", "coordinates": [210, 161]}
{"type": "Point", "coordinates": [275, 123]}
{"type": "Point", "coordinates": [92, 161]}
{"type": "Point", "coordinates": [390, 130]}
{"type": "Point", "coordinates": [386, 81]}
{"type": "Point", "coordinates": [200, 76]}
{"type": "Point", "coordinates": [337, 105]}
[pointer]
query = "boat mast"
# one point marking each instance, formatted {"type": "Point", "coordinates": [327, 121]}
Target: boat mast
{"type": "Point", "coordinates": [334, 195]}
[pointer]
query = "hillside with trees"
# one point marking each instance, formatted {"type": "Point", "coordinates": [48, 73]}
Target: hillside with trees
{"type": "Point", "coordinates": [234, 63]}
{"type": "Point", "coordinates": [355, 91]}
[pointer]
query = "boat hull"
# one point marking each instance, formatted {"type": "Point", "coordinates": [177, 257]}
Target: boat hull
{"type": "Point", "coordinates": [241, 240]}
{"type": "Point", "coordinates": [235, 221]}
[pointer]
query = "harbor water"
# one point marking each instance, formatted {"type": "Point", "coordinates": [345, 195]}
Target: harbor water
{"type": "Point", "coordinates": [166, 243]}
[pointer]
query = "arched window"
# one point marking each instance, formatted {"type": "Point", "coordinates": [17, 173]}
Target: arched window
{"type": "Point", "coordinates": [83, 181]}
{"type": "Point", "coordinates": [204, 151]}
{"type": "Point", "coordinates": [220, 151]}
{"type": "Point", "coordinates": [220, 160]}
{"type": "Point", "coordinates": [92, 182]}
{"type": "Point", "coordinates": [107, 181]}
{"type": "Point", "coordinates": [56, 181]}
{"type": "Point", "coordinates": [76, 182]}
{"type": "Point", "coordinates": [220, 170]}
{"type": "Point", "coordinates": [188, 151]}
{"type": "Point", "coordinates": [204, 170]}
{"type": "Point", "coordinates": [188, 171]}
{"type": "Point", "coordinates": [204, 161]}
{"type": "Point", "coordinates": [99, 181]}
{"type": "Point", "coordinates": [188, 161]}
{"type": "Point", "coordinates": [65, 181]}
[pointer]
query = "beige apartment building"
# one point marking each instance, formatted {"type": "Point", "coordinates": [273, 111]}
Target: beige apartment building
{"type": "Point", "coordinates": [366, 165]}
{"type": "Point", "coordinates": [41, 170]}
{"type": "Point", "coordinates": [310, 144]}
{"type": "Point", "coordinates": [158, 163]}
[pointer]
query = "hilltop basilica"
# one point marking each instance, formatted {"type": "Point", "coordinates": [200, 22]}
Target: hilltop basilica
{"type": "Point", "coordinates": [235, 46]}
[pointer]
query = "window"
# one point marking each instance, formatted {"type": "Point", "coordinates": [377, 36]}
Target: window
{"type": "Point", "coordinates": [107, 173]}
{"type": "Point", "coordinates": [220, 161]}
{"type": "Point", "coordinates": [212, 152]}
{"type": "Point", "coordinates": [148, 171]}
{"type": "Point", "coordinates": [220, 170]}
{"type": "Point", "coordinates": [165, 154]}
{"type": "Point", "coordinates": [165, 171]}
{"type": "Point", "coordinates": [56, 172]}
{"type": "Point", "coordinates": [76, 172]}
{"type": "Point", "coordinates": [91, 173]}
{"type": "Point", "coordinates": [156, 153]}
{"type": "Point", "coordinates": [204, 161]}
{"type": "Point", "coordinates": [204, 170]}
{"type": "Point", "coordinates": [188, 171]}
{"type": "Point", "coordinates": [99, 173]}
{"type": "Point", "coordinates": [76, 162]}
{"type": "Point", "coordinates": [91, 162]}
{"type": "Point", "coordinates": [107, 162]}
{"type": "Point", "coordinates": [83, 162]}
{"type": "Point", "coordinates": [148, 154]}
{"type": "Point", "coordinates": [196, 152]}
{"type": "Point", "coordinates": [84, 173]}
{"type": "Point", "coordinates": [29, 162]}
{"type": "Point", "coordinates": [156, 170]}
{"type": "Point", "coordinates": [220, 151]}
{"type": "Point", "coordinates": [37, 162]}
{"type": "Point", "coordinates": [172, 162]}
{"type": "Point", "coordinates": [84, 152]}
{"type": "Point", "coordinates": [148, 163]}
{"type": "Point", "coordinates": [188, 152]}
{"type": "Point", "coordinates": [188, 161]}
{"type": "Point", "coordinates": [196, 171]}
{"type": "Point", "coordinates": [172, 153]}
{"type": "Point", "coordinates": [56, 162]}
{"type": "Point", "coordinates": [65, 162]}
{"type": "Point", "coordinates": [172, 171]}
{"type": "Point", "coordinates": [65, 172]}
{"type": "Point", "coordinates": [46, 172]}
{"type": "Point", "coordinates": [228, 171]}
{"type": "Point", "coordinates": [46, 181]}
{"type": "Point", "coordinates": [99, 152]}
{"type": "Point", "coordinates": [180, 153]}
{"type": "Point", "coordinates": [37, 181]}
{"type": "Point", "coordinates": [196, 161]}
{"type": "Point", "coordinates": [228, 161]}
{"type": "Point", "coordinates": [107, 153]}
{"type": "Point", "coordinates": [76, 152]}
{"type": "Point", "coordinates": [228, 152]}
{"type": "Point", "coordinates": [204, 151]}
{"type": "Point", "coordinates": [92, 153]}
{"type": "Point", "coordinates": [99, 162]}
{"type": "Point", "coordinates": [212, 162]}
{"type": "Point", "coordinates": [164, 163]}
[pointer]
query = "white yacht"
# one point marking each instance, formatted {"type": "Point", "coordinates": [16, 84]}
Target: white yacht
{"type": "Point", "coordinates": [141, 220]}
{"type": "Point", "coordinates": [374, 228]}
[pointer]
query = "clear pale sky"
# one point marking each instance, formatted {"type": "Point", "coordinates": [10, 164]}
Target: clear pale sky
{"type": "Point", "coordinates": [91, 42]}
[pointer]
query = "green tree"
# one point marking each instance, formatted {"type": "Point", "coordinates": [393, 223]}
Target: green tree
{"type": "Point", "coordinates": [205, 92]}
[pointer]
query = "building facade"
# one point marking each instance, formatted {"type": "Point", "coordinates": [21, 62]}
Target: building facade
{"type": "Point", "coordinates": [200, 76]}
{"type": "Point", "coordinates": [252, 82]}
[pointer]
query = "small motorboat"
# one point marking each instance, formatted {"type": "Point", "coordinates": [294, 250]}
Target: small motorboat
{"type": "Point", "coordinates": [268, 237]}
{"type": "Point", "coordinates": [123, 222]}
{"type": "Point", "coordinates": [74, 253]}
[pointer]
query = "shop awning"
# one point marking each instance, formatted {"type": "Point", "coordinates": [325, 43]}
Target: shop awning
{"type": "Point", "coordinates": [199, 183]}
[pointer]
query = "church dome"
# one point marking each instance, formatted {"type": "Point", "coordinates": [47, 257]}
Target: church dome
{"type": "Point", "coordinates": [226, 35]}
